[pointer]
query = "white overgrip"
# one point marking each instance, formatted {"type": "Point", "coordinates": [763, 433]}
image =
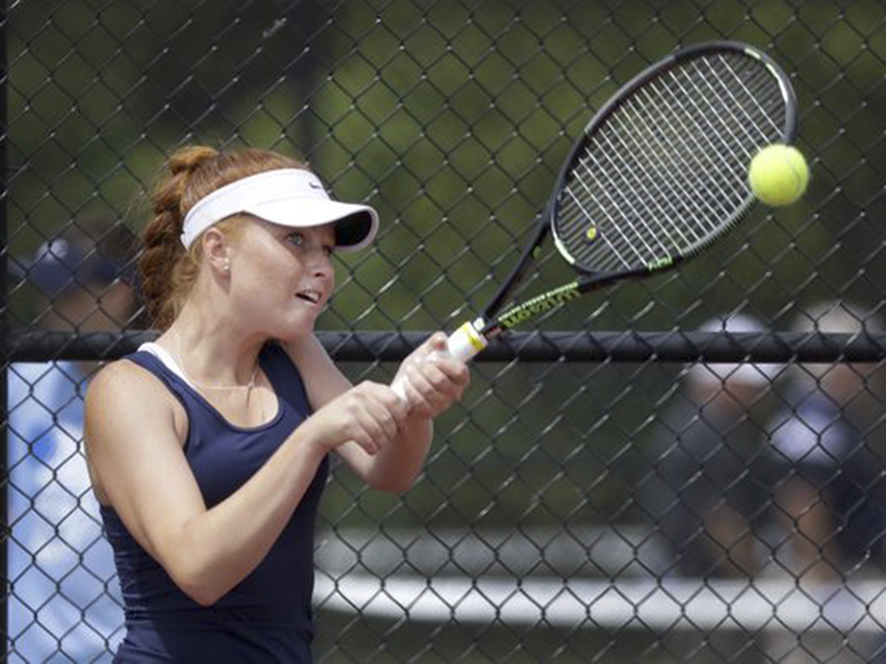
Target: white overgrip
{"type": "Point", "coordinates": [463, 344]}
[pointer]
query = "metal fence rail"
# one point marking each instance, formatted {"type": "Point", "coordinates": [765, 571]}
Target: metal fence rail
{"type": "Point", "coordinates": [629, 482]}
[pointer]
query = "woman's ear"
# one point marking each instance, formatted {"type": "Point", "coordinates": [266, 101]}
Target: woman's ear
{"type": "Point", "coordinates": [217, 251]}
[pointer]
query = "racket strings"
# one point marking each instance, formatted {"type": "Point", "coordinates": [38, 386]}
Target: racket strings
{"type": "Point", "coordinates": [665, 195]}
{"type": "Point", "coordinates": [756, 96]}
{"type": "Point", "coordinates": [708, 138]}
{"type": "Point", "coordinates": [617, 203]}
{"type": "Point", "coordinates": [735, 114]}
{"type": "Point", "coordinates": [666, 94]}
{"type": "Point", "coordinates": [634, 235]}
{"type": "Point", "coordinates": [666, 173]}
{"type": "Point", "coordinates": [628, 246]}
{"type": "Point", "coordinates": [620, 184]}
{"type": "Point", "coordinates": [711, 147]}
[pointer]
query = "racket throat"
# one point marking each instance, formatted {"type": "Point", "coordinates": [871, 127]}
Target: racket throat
{"type": "Point", "coordinates": [533, 307]}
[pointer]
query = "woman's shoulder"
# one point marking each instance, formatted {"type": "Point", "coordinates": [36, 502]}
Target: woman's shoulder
{"type": "Point", "coordinates": [126, 368]}
{"type": "Point", "coordinates": [125, 380]}
{"type": "Point", "coordinates": [125, 391]}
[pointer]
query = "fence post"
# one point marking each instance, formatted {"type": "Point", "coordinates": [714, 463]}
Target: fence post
{"type": "Point", "coordinates": [4, 474]}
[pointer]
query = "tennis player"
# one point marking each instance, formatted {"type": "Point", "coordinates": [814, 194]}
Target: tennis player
{"type": "Point", "coordinates": [209, 448]}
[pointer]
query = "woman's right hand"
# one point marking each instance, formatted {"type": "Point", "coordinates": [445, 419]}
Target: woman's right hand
{"type": "Point", "coordinates": [369, 414]}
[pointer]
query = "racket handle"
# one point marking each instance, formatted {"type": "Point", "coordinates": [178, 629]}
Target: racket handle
{"type": "Point", "coordinates": [463, 344]}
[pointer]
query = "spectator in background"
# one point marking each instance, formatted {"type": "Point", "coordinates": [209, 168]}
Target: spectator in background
{"type": "Point", "coordinates": [64, 597]}
{"type": "Point", "coordinates": [829, 492]}
{"type": "Point", "coordinates": [708, 489]}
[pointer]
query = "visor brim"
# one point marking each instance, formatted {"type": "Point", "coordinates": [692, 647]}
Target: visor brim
{"type": "Point", "coordinates": [355, 225]}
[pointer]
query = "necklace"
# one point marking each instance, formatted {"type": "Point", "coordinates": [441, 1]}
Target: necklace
{"type": "Point", "coordinates": [178, 356]}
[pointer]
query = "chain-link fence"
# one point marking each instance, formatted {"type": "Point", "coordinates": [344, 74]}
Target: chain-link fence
{"type": "Point", "coordinates": [599, 494]}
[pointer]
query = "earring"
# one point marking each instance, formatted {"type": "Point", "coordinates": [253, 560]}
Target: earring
{"type": "Point", "coordinates": [227, 265]}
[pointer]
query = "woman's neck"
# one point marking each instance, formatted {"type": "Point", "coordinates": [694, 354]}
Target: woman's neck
{"type": "Point", "coordinates": [211, 353]}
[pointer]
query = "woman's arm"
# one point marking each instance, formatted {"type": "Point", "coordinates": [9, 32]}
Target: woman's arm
{"type": "Point", "coordinates": [139, 467]}
{"type": "Point", "coordinates": [434, 384]}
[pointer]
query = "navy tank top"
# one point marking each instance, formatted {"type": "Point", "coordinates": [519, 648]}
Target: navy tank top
{"type": "Point", "coordinates": [265, 618]}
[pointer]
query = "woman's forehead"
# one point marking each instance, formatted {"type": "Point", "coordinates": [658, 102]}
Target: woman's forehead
{"type": "Point", "coordinates": [323, 232]}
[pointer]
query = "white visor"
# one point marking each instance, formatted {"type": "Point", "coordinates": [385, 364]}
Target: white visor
{"type": "Point", "coordinates": [291, 197]}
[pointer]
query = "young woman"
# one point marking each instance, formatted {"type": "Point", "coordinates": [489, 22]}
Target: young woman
{"type": "Point", "coordinates": [208, 449]}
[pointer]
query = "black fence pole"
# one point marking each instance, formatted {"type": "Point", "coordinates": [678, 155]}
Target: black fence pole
{"type": "Point", "coordinates": [4, 345]}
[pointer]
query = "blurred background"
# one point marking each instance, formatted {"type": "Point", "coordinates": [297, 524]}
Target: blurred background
{"type": "Point", "coordinates": [612, 511]}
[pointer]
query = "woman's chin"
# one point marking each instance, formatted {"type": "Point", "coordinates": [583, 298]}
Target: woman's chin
{"type": "Point", "coordinates": [296, 331]}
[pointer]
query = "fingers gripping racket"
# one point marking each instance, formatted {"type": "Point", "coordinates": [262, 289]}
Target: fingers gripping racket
{"type": "Point", "coordinates": [658, 174]}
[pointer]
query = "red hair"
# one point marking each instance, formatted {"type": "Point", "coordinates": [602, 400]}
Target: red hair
{"type": "Point", "coordinates": [166, 269]}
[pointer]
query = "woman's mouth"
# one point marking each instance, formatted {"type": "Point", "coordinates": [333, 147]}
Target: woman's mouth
{"type": "Point", "coordinates": [312, 296]}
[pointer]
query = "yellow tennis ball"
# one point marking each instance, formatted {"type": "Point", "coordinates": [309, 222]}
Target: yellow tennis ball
{"type": "Point", "coordinates": [778, 174]}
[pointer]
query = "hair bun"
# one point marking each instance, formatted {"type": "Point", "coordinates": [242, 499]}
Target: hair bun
{"type": "Point", "coordinates": [187, 159]}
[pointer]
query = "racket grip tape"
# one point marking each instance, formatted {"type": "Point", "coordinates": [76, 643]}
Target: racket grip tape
{"type": "Point", "coordinates": [463, 344]}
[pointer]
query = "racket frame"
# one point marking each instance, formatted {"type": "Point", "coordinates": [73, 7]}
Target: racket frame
{"type": "Point", "coordinates": [489, 324]}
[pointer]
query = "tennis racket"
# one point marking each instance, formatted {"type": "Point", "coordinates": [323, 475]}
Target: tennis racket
{"type": "Point", "coordinates": [658, 174]}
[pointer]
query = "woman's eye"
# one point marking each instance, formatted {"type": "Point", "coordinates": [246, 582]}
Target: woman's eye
{"type": "Point", "coordinates": [299, 240]}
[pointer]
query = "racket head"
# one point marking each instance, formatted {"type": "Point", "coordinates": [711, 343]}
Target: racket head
{"type": "Point", "coordinates": [661, 170]}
